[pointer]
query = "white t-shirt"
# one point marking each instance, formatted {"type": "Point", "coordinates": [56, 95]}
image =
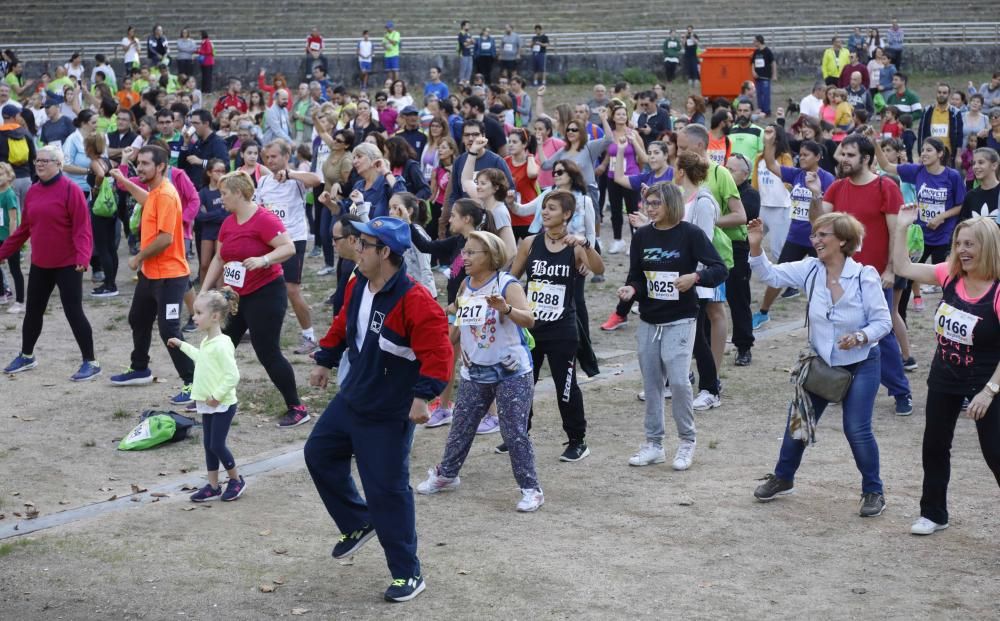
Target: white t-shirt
{"type": "Point", "coordinates": [364, 316]}
{"type": "Point", "coordinates": [74, 72]}
{"type": "Point", "coordinates": [131, 53]}
{"type": "Point", "coordinates": [364, 50]}
{"type": "Point", "coordinates": [287, 201]}
{"type": "Point", "coordinates": [810, 105]}
{"type": "Point", "coordinates": [772, 191]}
{"type": "Point", "coordinates": [501, 216]}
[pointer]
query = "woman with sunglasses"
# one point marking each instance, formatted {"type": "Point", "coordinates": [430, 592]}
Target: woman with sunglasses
{"type": "Point", "coordinates": [492, 311]}
{"type": "Point", "coordinates": [583, 152]}
{"type": "Point", "coordinates": [524, 169]}
{"type": "Point", "coordinates": [554, 263]}
{"type": "Point", "coordinates": [336, 168]}
{"type": "Point", "coordinates": [848, 315]}
{"type": "Point", "coordinates": [992, 135]}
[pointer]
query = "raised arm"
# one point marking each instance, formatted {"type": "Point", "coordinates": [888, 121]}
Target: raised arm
{"type": "Point", "coordinates": [901, 263]}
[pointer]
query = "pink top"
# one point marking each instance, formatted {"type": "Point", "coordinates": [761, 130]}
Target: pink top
{"type": "Point", "coordinates": [251, 239]}
{"type": "Point", "coordinates": [941, 271]}
{"type": "Point", "coordinates": [631, 166]}
{"type": "Point", "coordinates": [443, 175]}
{"type": "Point", "coordinates": [56, 218]}
{"type": "Point", "coordinates": [549, 148]}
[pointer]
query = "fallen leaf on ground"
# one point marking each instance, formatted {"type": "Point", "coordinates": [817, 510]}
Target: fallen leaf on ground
{"type": "Point", "coordinates": [15, 493]}
{"type": "Point", "coordinates": [464, 572]}
{"type": "Point", "coordinates": [28, 503]}
{"type": "Point", "coordinates": [17, 514]}
{"type": "Point", "coordinates": [105, 489]}
{"type": "Point", "coordinates": [64, 502]}
{"type": "Point", "coordinates": [161, 474]}
{"type": "Point", "coordinates": [113, 497]}
{"type": "Point", "coordinates": [345, 563]}
{"type": "Point", "coordinates": [138, 490]}
{"type": "Point", "coordinates": [160, 495]}
{"type": "Point", "coordinates": [112, 478]}
{"type": "Point", "coordinates": [135, 499]}
{"type": "Point", "coordinates": [187, 508]}
{"type": "Point", "coordinates": [28, 419]}
{"type": "Point", "coordinates": [281, 551]}
{"type": "Point", "coordinates": [279, 581]}
{"type": "Point", "coordinates": [264, 533]}
{"type": "Point", "coordinates": [187, 487]}
{"type": "Point", "coordinates": [299, 611]}
{"type": "Point", "coordinates": [155, 500]}
{"type": "Point", "coordinates": [185, 470]}
{"type": "Point", "coordinates": [859, 590]}
{"type": "Point", "coordinates": [2, 516]}
{"type": "Point", "coordinates": [685, 502]}
{"type": "Point", "coordinates": [266, 588]}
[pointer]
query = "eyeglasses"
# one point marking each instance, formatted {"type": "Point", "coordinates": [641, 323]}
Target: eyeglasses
{"type": "Point", "coordinates": [820, 235]}
{"type": "Point", "coordinates": [475, 135]}
{"type": "Point", "coordinates": [469, 253]}
{"type": "Point", "coordinates": [39, 160]}
{"type": "Point", "coordinates": [367, 244]}
{"type": "Point", "coordinates": [338, 238]}
{"type": "Point", "coordinates": [340, 140]}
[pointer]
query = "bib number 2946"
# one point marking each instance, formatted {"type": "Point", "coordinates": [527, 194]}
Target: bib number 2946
{"type": "Point", "coordinates": [234, 274]}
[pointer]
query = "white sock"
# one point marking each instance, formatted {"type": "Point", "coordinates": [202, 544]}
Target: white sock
{"type": "Point", "coordinates": [309, 334]}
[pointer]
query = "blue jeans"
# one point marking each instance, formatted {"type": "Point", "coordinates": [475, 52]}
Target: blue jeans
{"type": "Point", "coordinates": [893, 376]}
{"type": "Point", "coordinates": [857, 407]}
{"type": "Point", "coordinates": [763, 95]}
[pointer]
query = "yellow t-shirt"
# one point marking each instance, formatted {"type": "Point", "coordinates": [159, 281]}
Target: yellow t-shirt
{"type": "Point", "coordinates": [939, 125]}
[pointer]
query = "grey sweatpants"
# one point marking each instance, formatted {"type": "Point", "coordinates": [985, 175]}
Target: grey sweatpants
{"type": "Point", "coordinates": [665, 353]}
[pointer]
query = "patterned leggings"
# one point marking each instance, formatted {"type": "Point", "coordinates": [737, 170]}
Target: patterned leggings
{"type": "Point", "coordinates": [513, 397]}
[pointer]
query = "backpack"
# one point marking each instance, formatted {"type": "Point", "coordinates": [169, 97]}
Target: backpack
{"type": "Point", "coordinates": [156, 428]}
{"type": "Point", "coordinates": [17, 150]}
{"type": "Point", "coordinates": [106, 202]}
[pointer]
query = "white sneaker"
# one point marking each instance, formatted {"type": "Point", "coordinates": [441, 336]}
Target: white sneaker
{"type": "Point", "coordinates": [648, 453]}
{"type": "Point", "coordinates": [436, 483]}
{"type": "Point", "coordinates": [326, 270]}
{"type": "Point", "coordinates": [15, 308]}
{"type": "Point", "coordinates": [685, 452]}
{"type": "Point", "coordinates": [923, 526]}
{"type": "Point", "coordinates": [616, 247]}
{"type": "Point", "coordinates": [531, 500]}
{"type": "Point", "coordinates": [706, 401]}
{"type": "Point", "coordinates": [667, 394]}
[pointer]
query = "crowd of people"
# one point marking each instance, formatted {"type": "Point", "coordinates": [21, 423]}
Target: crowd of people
{"type": "Point", "coordinates": [849, 195]}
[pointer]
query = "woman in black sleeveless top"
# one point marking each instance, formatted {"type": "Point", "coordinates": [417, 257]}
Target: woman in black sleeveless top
{"type": "Point", "coordinates": [965, 365]}
{"type": "Point", "coordinates": [552, 261]}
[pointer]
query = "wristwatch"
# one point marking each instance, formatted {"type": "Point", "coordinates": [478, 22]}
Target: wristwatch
{"type": "Point", "coordinates": [993, 388]}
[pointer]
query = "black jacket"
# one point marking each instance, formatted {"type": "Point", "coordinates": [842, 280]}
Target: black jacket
{"type": "Point", "coordinates": [209, 148]}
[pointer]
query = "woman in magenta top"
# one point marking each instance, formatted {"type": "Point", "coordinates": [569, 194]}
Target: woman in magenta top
{"type": "Point", "coordinates": [252, 245]}
{"type": "Point", "coordinates": [634, 154]}
{"type": "Point", "coordinates": [56, 219]}
{"type": "Point", "coordinates": [548, 145]}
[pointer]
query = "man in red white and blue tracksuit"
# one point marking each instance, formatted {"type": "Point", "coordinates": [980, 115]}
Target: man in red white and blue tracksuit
{"type": "Point", "coordinates": [396, 338]}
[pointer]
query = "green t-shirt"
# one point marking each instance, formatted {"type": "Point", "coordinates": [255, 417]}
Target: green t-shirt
{"type": "Point", "coordinates": [908, 103]}
{"type": "Point", "coordinates": [15, 84]}
{"type": "Point", "coordinates": [140, 86]}
{"type": "Point", "coordinates": [747, 141]}
{"type": "Point", "coordinates": [391, 43]}
{"type": "Point", "coordinates": [8, 202]}
{"type": "Point", "coordinates": [722, 186]}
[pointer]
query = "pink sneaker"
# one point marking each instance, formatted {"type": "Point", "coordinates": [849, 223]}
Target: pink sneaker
{"type": "Point", "coordinates": [440, 416]}
{"type": "Point", "coordinates": [614, 322]}
{"type": "Point", "coordinates": [489, 424]}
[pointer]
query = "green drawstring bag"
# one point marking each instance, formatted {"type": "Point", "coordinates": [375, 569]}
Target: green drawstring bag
{"type": "Point", "coordinates": [151, 432]}
{"type": "Point", "coordinates": [915, 241]}
{"type": "Point", "coordinates": [528, 338]}
{"type": "Point", "coordinates": [106, 202]}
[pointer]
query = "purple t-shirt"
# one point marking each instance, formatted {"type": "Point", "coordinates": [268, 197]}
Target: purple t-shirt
{"type": "Point", "coordinates": [800, 228]}
{"type": "Point", "coordinates": [935, 195]}
{"type": "Point", "coordinates": [647, 178]}
{"type": "Point", "coordinates": [631, 166]}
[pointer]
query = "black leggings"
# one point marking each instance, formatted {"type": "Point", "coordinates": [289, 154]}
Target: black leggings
{"type": "Point", "coordinates": [937, 254]}
{"type": "Point", "coordinates": [107, 236]}
{"type": "Point", "coordinates": [214, 429]}
{"type": "Point", "coordinates": [617, 197]}
{"type": "Point", "coordinates": [562, 365]}
{"type": "Point", "coordinates": [41, 282]}
{"type": "Point", "coordinates": [708, 375]}
{"type": "Point", "coordinates": [263, 312]}
{"type": "Point", "coordinates": [14, 263]}
{"type": "Point", "coordinates": [942, 413]}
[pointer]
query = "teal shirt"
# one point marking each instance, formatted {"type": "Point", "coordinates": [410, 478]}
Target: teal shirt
{"type": "Point", "coordinates": [8, 202]}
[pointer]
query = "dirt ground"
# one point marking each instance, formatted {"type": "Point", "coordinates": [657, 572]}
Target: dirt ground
{"type": "Point", "coordinates": [610, 542]}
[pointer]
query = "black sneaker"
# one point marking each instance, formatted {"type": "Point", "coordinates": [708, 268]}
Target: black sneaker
{"type": "Point", "coordinates": [189, 326]}
{"type": "Point", "coordinates": [296, 415]}
{"type": "Point", "coordinates": [789, 293]}
{"type": "Point", "coordinates": [743, 358]}
{"type": "Point", "coordinates": [910, 364]}
{"type": "Point", "coordinates": [105, 291]}
{"type": "Point", "coordinates": [501, 449]}
{"type": "Point", "coordinates": [872, 504]}
{"type": "Point", "coordinates": [772, 487]}
{"type": "Point", "coordinates": [404, 589]}
{"type": "Point", "coordinates": [352, 542]}
{"type": "Point", "coordinates": [575, 451]}
{"type": "Point", "coordinates": [234, 489]}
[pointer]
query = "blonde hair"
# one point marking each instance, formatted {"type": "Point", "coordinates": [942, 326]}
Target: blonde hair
{"type": "Point", "coordinates": [95, 145]}
{"type": "Point", "coordinates": [494, 246]}
{"type": "Point", "coordinates": [368, 150]}
{"type": "Point", "coordinates": [987, 235]}
{"type": "Point", "coordinates": [224, 301]}
{"type": "Point", "coordinates": [671, 197]}
{"type": "Point", "coordinates": [238, 182]}
{"type": "Point", "coordinates": [846, 228]}
{"type": "Point", "coordinates": [6, 173]}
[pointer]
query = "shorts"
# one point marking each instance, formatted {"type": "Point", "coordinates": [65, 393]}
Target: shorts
{"type": "Point", "coordinates": [392, 63]}
{"type": "Point", "coordinates": [719, 293]}
{"type": "Point", "coordinates": [365, 65]}
{"type": "Point", "coordinates": [510, 66]}
{"type": "Point", "coordinates": [791, 252]}
{"type": "Point", "coordinates": [538, 63]}
{"type": "Point", "coordinates": [293, 266]}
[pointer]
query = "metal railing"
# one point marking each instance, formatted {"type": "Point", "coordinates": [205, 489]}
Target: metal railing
{"type": "Point", "coordinates": [636, 41]}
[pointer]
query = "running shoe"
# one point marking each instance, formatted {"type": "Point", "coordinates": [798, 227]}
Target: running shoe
{"type": "Point", "coordinates": [575, 451]}
{"type": "Point", "coordinates": [904, 405]}
{"type": "Point", "coordinates": [350, 543]}
{"type": "Point", "coordinates": [21, 363]}
{"type": "Point", "coordinates": [15, 308]}
{"type": "Point", "coordinates": [489, 424]}
{"type": "Point", "coordinates": [326, 270]}
{"type": "Point", "coordinates": [439, 416]}
{"type": "Point", "coordinates": [436, 483]}
{"type": "Point", "coordinates": [105, 291]}
{"type": "Point", "coordinates": [647, 454]}
{"type": "Point", "coordinates": [132, 377]}
{"type": "Point", "coordinates": [405, 589]}
{"type": "Point", "coordinates": [183, 397]}
{"type": "Point", "coordinates": [772, 487]}
{"type": "Point", "coordinates": [684, 455]}
{"type": "Point", "coordinates": [206, 493]}
{"type": "Point", "coordinates": [189, 327]}
{"type": "Point", "coordinates": [88, 371]}
{"type": "Point", "coordinates": [531, 500]}
{"type": "Point", "coordinates": [760, 319]}
{"type": "Point", "coordinates": [910, 364]}
{"type": "Point", "coordinates": [234, 489]}
{"type": "Point", "coordinates": [923, 526]}
{"type": "Point", "coordinates": [872, 505]}
{"type": "Point", "coordinates": [790, 293]}
{"type": "Point", "coordinates": [918, 304]}
{"type": "Point", "coordinates": [614, 322]}
{"type": "Point", "coordinates": [296, 415]}
{"type": "Point", "coordinates": [706, 401]}
{"type": "Point", "coordinates": [306, 346]}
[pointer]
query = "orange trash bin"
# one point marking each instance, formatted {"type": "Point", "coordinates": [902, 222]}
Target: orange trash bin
{"type": "Point", "coordinates": [724, 70]}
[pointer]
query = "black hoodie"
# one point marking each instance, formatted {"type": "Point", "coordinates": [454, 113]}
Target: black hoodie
{"type": "Point", "coordinates": [13, 131]}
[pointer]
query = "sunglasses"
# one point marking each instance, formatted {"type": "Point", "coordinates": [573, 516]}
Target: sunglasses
{"type": "Point", "coordinates": [572, 129]}
{"type": "Point", "coordinates": [558, 173]}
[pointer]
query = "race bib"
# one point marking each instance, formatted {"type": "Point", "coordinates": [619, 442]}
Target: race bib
{"type": "Point", "coordinates": [939, 131]}
{"type": "Point", "coordinates": [547, 300]}
{"type": "Point", "coordinates": [279, 210]}
{"type": "Point", "coordinates": [234, 274]}
{"type": "Point", "coordinates": [508, 47]}
{"type": "Point", "coordinates": [314, 46]}
{"type": "Point", "coordinates": [536, 48]}
{"type": "Point", "coordinates": [662, 285]}
{"type": "Point", "coordinates": [486, 45]}
{"type": "Point", "coordinates": [471, 310]}
{"type": "Point", "coordinates": [954, 325]}
{"type": "Point", "coordinates": [671, 44]}
{"type": "Point", "coordinates": [800, 211]}
{"type": "Point", "coordinates": [689, 42]}
{"type": "Point", "coordinates": [758, 63]}
{"type": "Point", "coordinates": [928, 212]}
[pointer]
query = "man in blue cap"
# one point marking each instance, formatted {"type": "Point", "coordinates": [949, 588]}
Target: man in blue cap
{"type": "Point", "coordinates": [396, 338]}
{"type": "Point", "coordinates": [390, 46]}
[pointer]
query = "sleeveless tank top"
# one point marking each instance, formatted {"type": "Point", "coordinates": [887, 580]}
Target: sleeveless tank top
{"type": "Point", "coordinates": [492, 345]}
{"type": "Point", "coordinates": [552, 283]}
{"type": "Point", "coordinates": [968, 342]}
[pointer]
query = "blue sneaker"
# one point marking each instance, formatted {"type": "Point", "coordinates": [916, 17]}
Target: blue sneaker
{"type": "Point", "coordinates": [88, 371]}
{"type": "Point", "coordinates": [789, 293]}
{"type": "Point", "coordinates": [760, 319]}
{"type": "Point", "coordinates": [904, 405]}
{"type": "Point", "coordinates": [183, 397]}
{"type": "Point", "coordinates": [21, 363]}
{"type": "Point", "coordinates": [404, 589]}
{"type": "Point", "coordinates": [132, 377]}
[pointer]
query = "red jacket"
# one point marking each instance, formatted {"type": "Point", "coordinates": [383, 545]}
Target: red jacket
{"type": "Point", "coordinates": [406, 352]}
{"type": "Point", "coordinates": [56, 218]}
{"type": "Point", "coordinates": [230, 101]}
